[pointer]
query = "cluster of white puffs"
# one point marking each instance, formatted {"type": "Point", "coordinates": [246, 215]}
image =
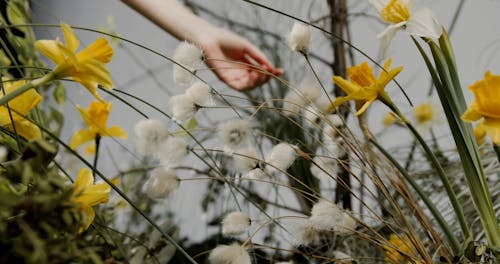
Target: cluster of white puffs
{"type": "Point", "coordinates": [154, 140]}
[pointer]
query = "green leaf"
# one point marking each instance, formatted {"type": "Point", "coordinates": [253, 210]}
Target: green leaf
{"type": "Point", "coordinates": [59, 93]}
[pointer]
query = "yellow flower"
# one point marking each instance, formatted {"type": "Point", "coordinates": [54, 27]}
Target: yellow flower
{"type": "Point", "coordinates": [86, 195]}
{"type": "Point", "coordinates": [486, 106]}
{"type": "Point", "coordinates": [20, 106]}
{"type": "Point", "coordinates": [96, 117]}
{"type": "Point", "coordinates": [480, 134]}
{"type": "Point", "coordinates": [364, 87]}
{"type": "Point", "coordinates": [399, 250]}
{"type": "Point", "coordinates": [389, 119]}
{"type": "Point", "coordinates": [86, 67]}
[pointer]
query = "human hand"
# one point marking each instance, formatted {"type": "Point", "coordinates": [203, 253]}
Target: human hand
{"type": "Point", "coordinates": [236, 61]}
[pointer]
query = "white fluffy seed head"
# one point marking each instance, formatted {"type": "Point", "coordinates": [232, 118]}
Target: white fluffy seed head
{"type": "Point", "coordinates": [326, 216]}
{"type": "Point", "coordinates": [245, 159]}
{"type": "Point", "coordinates": [336, 148]}
{"type": "Point", "coordinates": [312, 116]}
{"type": "Point", "coordinates": [149, 133]}
{"type": "Point", "coordinates": [332, 126]}
{"type": "Point", "coordinates": [292, 103]}
{"type": "Point", "coordinates": [182, 108]}
{"type": "Point", "coordinates": [189, 56]}
{"type": "Point", "coordinates": [161, 183]}
{"type": "Point", "coordinates": [342, 257]}
{"type": "Point", "coordinates": [235, 223]}
{"type": "Point", "coordinates": [299, 38]}
{"type": "Point", "coordinates": [232, 254]}
{"type": "Point", "coordinates": [172, 151]}
{"type": "Point", "coordinates": [281, 156]}
{"type": "Point", "coordinates": [234, 134]}
{"type": "Point", "coordinates": [200, 94]}
{"type": "Point", "coordinates": [309, 90]}
{"type": "Point", "coordinates": [305, 233]}
{"type": "Point", "coordinates": [256, 174]}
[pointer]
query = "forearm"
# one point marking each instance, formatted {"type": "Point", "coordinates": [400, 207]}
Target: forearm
{"type": "Point", "coordinates": [174, 18]}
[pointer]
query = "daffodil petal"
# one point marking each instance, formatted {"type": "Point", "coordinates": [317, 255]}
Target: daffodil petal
{"type": "Point", "coordinates": [51, 50]}
{"type": "Point", "coordinates": [346, 86]}
{"type": "Point", "coordinates": [81, 137]}
{"type": "Point", "coordinates": [364, 107]}
{"type": "Point", "coordinates": [95, 70]}
{"type": "Point", "coordinates": [492, 127]}
{"type": "Point", "coordinates": [89, 217]}
{"type": "Point", "coordinates": [422, 23]}
{"type": "Point", "coordinates": [91, 87]}
{"type": "Point", "coordinates": [116, 131]}
{"type": "Point", "coordinates": [83, 180]}
{"type": "Point", "coordinates": [378, 4]}
{"type": "Point", "coordinates": [471, 114]}
{"type": "Point", "coordinates": [99, 50]}
{"type": "Point", "coordinates": [26, 129]}
{"type": "Point", "coordinates": [387, 36]}
{"type": "Point", "coordinates": [72, 42]}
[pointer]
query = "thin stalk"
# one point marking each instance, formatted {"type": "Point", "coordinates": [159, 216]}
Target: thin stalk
{"type": "Point", "coordinates": [11, 118]}
{"type": "Point", "coordinates": [425, 198]}
{"type": "Point", "coordinates": [121, 193]}
{"type": "Point", "coordinates": [497, 151]}
{"type": "Point", "coordinates": [29, 85]}
{"type": "Point", "coordinates": [97, 144]}
{"type": "Point", "coordinates": [317, 78]}
{"type": "Point", "coordinates": [457, 207]}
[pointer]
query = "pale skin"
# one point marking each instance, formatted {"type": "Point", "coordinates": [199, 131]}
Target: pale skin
{"type": "Point", "coordinates": [232, 58]}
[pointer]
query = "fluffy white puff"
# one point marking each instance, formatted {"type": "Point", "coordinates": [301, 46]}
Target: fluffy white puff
{"type": "Point", "coordinates": [149, 133]}
{"type": "Point", "coordinates": [234, 134]}
{"type": "Point", "coordinates": [235, 223]}
{"type": "Point", "coordinates": [172, 151]}
{"type": "Point", "coordinates": [292, 103]}
{"type": "Point", "coordinates": [342, 257]}
{"type": "Point", "coordinates": [161, 183]}
{"type": "Point", "coordinates": [348, 225]}
{"type": "Point", "coordinates": [182, 108]}
{"type": "Point", "coordinates": [256, 174]}
{"type": "Point", "coordinates": [245, 159]}
{"type": "Point", "coordinates": [306, 93]}
{"type": "Point", "coordinates": [189, 56]}
{"type": "Point", "coordinates": [305, 233]}
{"type": "Point", "coordinates": [232, 254]}
{"type": "Point", "coordinates": [312, 116]}
{"type": "Point", "coordinates": [299, 37]}
{"type": "Point", "coordinates": [281, 156]}
{"type": "Point", "coordinates": [331, 127]}
{"type": "Point", "coordinates": [335, 148]}
{"type": "Point", "coordinates": [200, 94]}
{"type": "Point", "coordinates": [324, 167]}
{"type": "Point", "coordinates": [326, 216]}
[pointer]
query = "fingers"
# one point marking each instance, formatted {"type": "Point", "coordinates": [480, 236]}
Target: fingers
{"type": "Point", "coordinates": [261, 59]}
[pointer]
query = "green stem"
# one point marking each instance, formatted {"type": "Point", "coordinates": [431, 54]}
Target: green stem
{"type": "Point", "coordinates": [437, 166]}
{"type": "Point", "coordinates": [96, 155]}
{"type": "Point", "coordinates": [29, 85]}
{"type": "Point", "coordinates": [425, 198]}
{"type": "Point", "coordinates": [497, 151]}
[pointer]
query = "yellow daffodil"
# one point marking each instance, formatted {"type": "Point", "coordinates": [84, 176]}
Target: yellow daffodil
{"type": "Point", "coordinates": [86, 67]}
{"type": "Point", "coordinates": [20, 106]}
{"type": "Point", "coordinates": [400, 14]}
{"type": "Point", "coordinates": [96, 117]}
{"type": "Point", "coordinates": [86, 195]}
{"type": "Point", "coordinates": [424, 113]}
{"type": "Point", "coordinates": [389, 119]}
{"type": "Point", "coordinates": [480, 134]}
{"type": "Point", "coordinates": [364, 87]}
{"type": "Point", "coordinates": [486, 106]}
{"type": "Point", "coordinates": [399, 250]}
